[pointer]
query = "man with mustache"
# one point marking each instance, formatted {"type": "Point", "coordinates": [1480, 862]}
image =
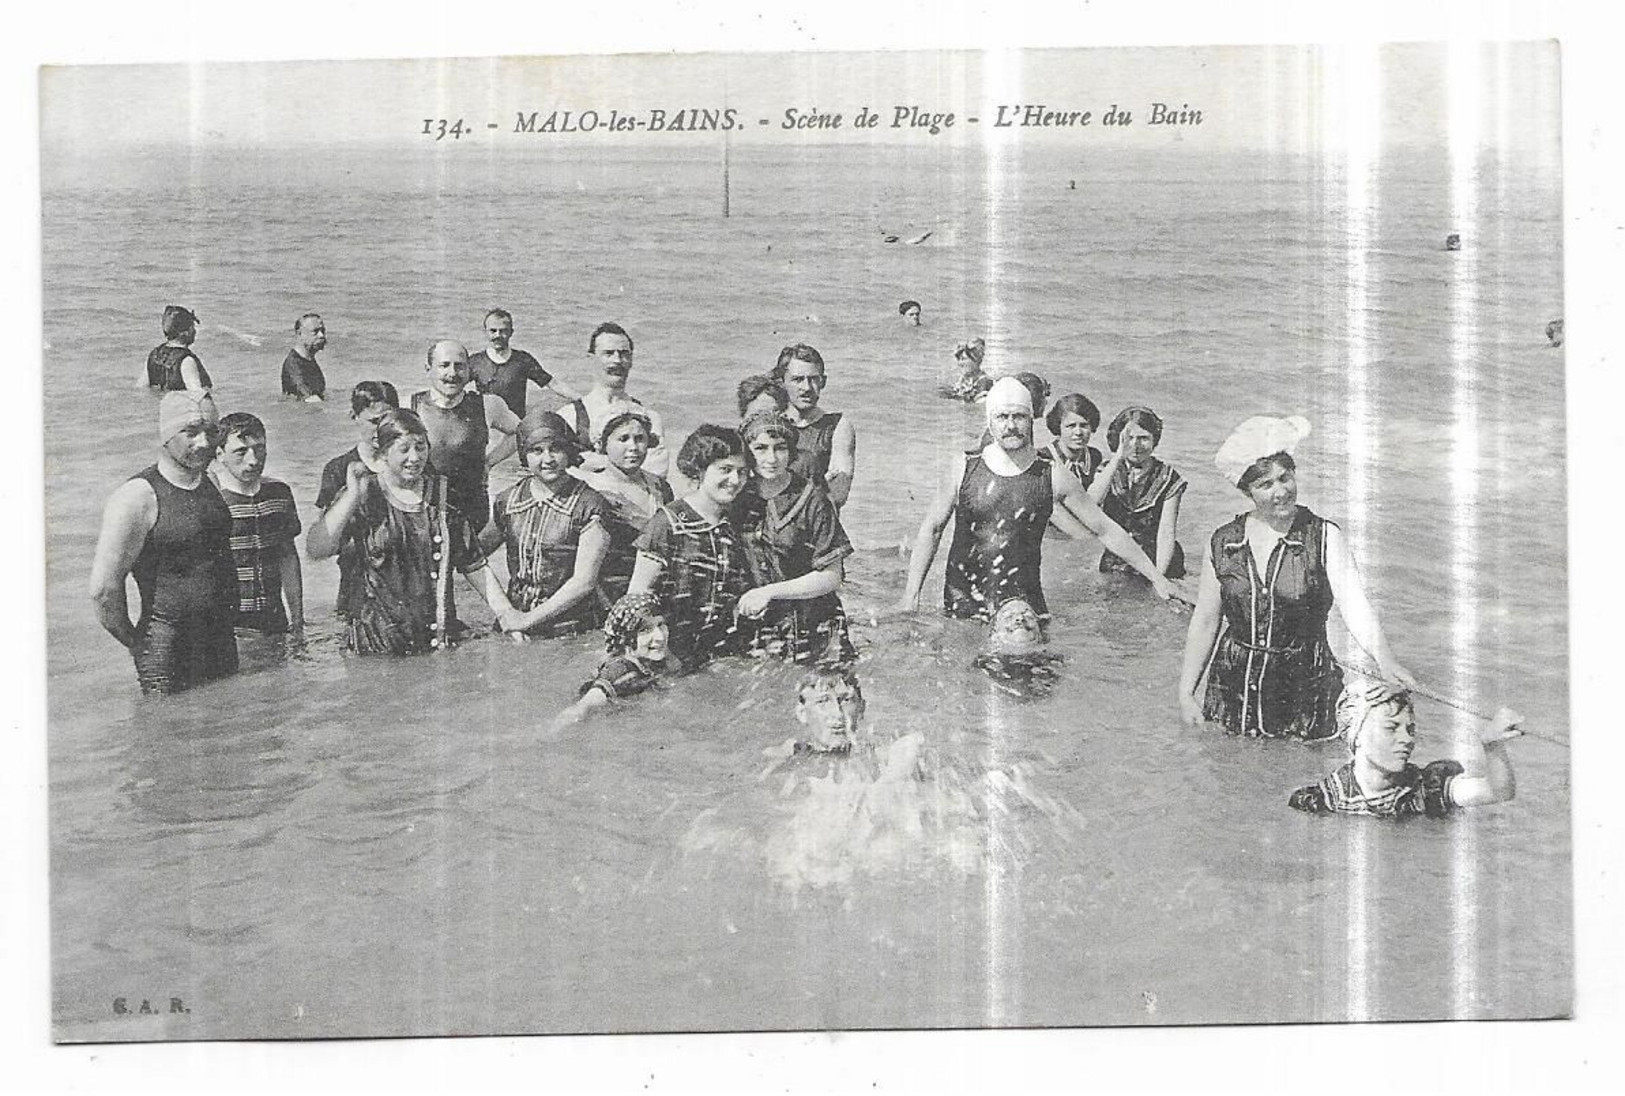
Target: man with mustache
{"type": "Point", "coordinates": [611, 348]}
{"type": "Point", "coordinates": [1001, 497]}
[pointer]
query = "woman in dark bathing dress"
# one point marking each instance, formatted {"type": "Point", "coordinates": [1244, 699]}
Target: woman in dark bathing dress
{"type": "Point", "coordinates": [1268, 584]}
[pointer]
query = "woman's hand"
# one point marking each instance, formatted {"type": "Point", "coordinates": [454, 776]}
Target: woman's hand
{"type": "Point", "coordinates": [357, 475]}
{"type": "Point", "coordinates": [1190, 710]}
{"type": "Point", "coordinates": [1163, 588]}
{"type": "Point", "coordinates": [753, 603]}
{"type": "Point", "coordinates": [1401, 675]}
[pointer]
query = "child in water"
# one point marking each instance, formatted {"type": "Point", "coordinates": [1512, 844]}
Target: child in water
{"type": "Point", "coordinates": [636, 657]}
{"type": "Point", "coordinates": [1378, 723]}
{"type": "Point", "coordinates": [972, 383]}
{"type": "Point", "coordinates": [1016, 659]}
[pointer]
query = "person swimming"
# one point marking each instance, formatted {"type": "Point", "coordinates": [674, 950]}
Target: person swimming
{"type": "Point", "coordinates": [635, 658]}
{"type": "Point", "coordinates": [1377, 721]}
{"type": "Point", "coordinates": [1016, 658]}
{"type": "Point", "coordinates": [972, 383]}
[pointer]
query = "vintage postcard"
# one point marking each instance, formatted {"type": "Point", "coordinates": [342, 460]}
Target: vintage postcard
{"type": "Point", "coordinates": [758, 542]}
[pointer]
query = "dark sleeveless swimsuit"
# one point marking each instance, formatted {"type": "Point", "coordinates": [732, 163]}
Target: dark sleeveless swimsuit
{"type": "Point", "coordinates": [997, 548]}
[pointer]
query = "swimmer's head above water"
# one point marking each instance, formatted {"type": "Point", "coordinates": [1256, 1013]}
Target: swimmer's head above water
{"type": "Point", "coordinates": [830, 705]}
{"type": "Point", "coordinates": [636, 626]}
{"type": "Point", "coordinates": [1015, 627]}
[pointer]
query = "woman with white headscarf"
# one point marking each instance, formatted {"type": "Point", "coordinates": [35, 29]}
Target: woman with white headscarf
{"type": "Point", "coordinates": [1270, 580]}
{"type": "Point", "coordinates": [1001, 496]}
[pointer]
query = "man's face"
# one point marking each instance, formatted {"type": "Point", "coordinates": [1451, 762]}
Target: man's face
{"type": "Point", "coordinates": [243, 457]}
{"type": "Point", "coordinates": [1011, 426]}
{"type": "Point", "coordinates": [805, 383]}
{"type": "Point", "coordinates": [313, 333]}
{"type": "Point", "coordinates": [614, 354]}
{"type": "Point", "coordinates": [193, 448]}
{"type": "Point", "coordinates": [498, 332]}
{"type": "Point", "coordinates": [831, 714]}
{"type": "Point", "coordinates": [448, 369]}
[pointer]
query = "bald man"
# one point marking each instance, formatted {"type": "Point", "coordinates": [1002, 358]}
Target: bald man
{"type": "Point", "coordinates": [468, 432]}
{"type": "Point", "coordinates": [1001, 497]}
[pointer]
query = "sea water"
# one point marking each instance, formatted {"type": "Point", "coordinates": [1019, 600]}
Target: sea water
{"type": "Point", "coordinates": [348, 846]}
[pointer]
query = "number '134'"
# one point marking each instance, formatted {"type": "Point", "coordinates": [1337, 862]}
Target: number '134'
{"type": "Point", "coordinates": [441, 128]}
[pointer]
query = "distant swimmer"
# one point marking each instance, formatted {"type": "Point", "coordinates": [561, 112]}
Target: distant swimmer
{"type": "Point", "coordinates": [921, 238]}
{"type": "Point", "coordinates": [1377, 721]}
{"type": "Point", "coordinates": [302, 377]}
{"type": "Point", "coordinates": [1554, 332]}
{"type": "Point", "coordinates": [972, 383]}
{"type": "Point", "coordinates": [1072, 184]}
{"type": "Point", "coordinates": [1452, 242]}
{"type": "Point", "coordinates": [888, 237]}
{"type": "Point", "coordinates": [910, 311]}
{"type": "Point", "coordinates": [172, 366]}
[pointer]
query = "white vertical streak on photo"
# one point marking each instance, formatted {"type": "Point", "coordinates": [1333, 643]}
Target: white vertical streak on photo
{"type": "Point", "coordinates": [1462, 76]}
{"type": "Point", "coordinates": [1359, 96]}
{"type": "Point", "coordinates": [1001, 83]}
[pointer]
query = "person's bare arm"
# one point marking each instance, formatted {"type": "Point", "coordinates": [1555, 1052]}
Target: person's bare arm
{"type": "Point", "coordinates": [1168, 533]}
{"type": "Point", "coordinates": [1077, 514]}
{"type": "Point", "coordinates": [502, 439]}
{"type": "Point", "coordinates": [292, 576]}
{"type": "Point", "coordinates": [646, 572]}
{"type": "Point", "coordinates": [1355, 609]}
{"type": "Point", "coordinates": [1103, 475]}
{"type": "Point", "coordinates": [1206, 619]}
{"type": "Point", "coordinates": [843, 461]}
{"type": "Point", "coordinates": [129, 516]}
{"type": "Point", "coordinates": [191, 376]}
{"type": "Point", "coordinates": [327, 532]}
{"type": "Point", "coordinates": [929, 536]}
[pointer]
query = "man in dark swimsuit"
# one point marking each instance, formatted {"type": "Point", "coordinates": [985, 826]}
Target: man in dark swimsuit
{"type": "Point", "coordinates": [302, 377]}
{"type": "Point", "coordinates": [501, 369]}
{"type": "Point", "coordinates": [461, 424]}
{"type": "Point", "coordinates": [1001, 497]}
{"type": "Point", "coordinates": [169, 527]}
{"type": "Point", "coordinates": [827, 447]}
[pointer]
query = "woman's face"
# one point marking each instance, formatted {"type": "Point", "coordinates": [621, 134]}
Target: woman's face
{"type": "Point", "coordinates": [366, 424]}
{"type": "Point", "coordinates": [650, 646]}
{"type": "Point", "coordinates": [1137, 443]}
{"type": "Point", "coordinates": [1275, 494]}
{"type": "Point", "coordinates": [627, 446]}
{"type": "Point", "coordinates": [547, 460]}
{"type": "Point", "coordinates": [1386, 739]}
{"type": "Point", "coordinates": [771, 456]}
{"type": "Point", "coordinates": [406, 458]}
{"type": "Point", "coordinates": [722, 480]}
{"type": "Point", "coordinates": [1075, 433]}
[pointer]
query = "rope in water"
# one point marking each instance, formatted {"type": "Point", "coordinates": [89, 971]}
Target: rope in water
{"type": "Point", "coordinates": [1418, 688]}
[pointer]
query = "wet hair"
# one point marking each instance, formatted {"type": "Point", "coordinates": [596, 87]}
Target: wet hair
{"type": "Point", "coordinates": [708, 444]}
{"type": "Point", "coordinates": [755, 385]}
{"type": "Point", "coordinates": [500, 312]}
{"type": "Point", "coordinates": [241, 423]}
{"type": "Point", "coordinates": [826, 677]}
{"type": "Point", "coordinates": [1362, 698]}
{"type": "Point", "coordinates": [799, 352]}
{"type": "Point", "coordinates": [621, 418]}
{"type": "Point", "coordinates": [367, 393]}
{"type": "Point", "coordinates": [902, 309]}
{"type": "Point", "coordinates": [1073, 403]}
{"type": "Point", "coordinates": [299, 324]}
{"type": "Point", "coordinates": [397, 424]}
{"type": "Point", "coordinates": [771, 423]}
{"type": "Point", "coordinates": [177, 320]}
{"type": "Point", "coordinates": [1039, 388]}
{"type": "Point", "coordinates": [607, 328]}
{"type": "Point", "coordinates": [1143, 417]}
{"type": "Point", "coordinates": [1263, 466]}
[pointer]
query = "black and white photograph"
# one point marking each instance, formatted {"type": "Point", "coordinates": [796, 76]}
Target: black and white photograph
{"type": "Point", "coordinates": [807, 541]}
